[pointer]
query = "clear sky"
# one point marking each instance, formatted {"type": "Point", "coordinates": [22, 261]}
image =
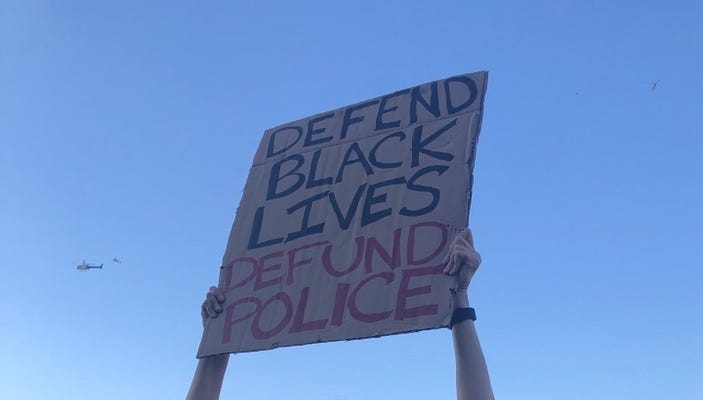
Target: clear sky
{"type": "Point", "coordinates": [127, 129]}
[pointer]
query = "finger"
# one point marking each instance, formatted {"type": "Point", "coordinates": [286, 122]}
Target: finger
{"type": "Point", "coordinates": [213, 314]}
{"type": "Point", "coordinates": [462, 246]}
{"type": "Point", "coordinates": [469, 236]}
{"type": "Point", "coordinates": [446, 260]}
{"type": "Point", "coordinates": [214, 302]}
{"type": "Point", "coordinates": [477, 258]}
{"type": "Point", "coordinates": [216, 305]}
{"type": "Point", "coordinates": [459, 261]}
{"type": "Point", "coordinates": [473, 259]}
{"type": "Point", "coordinates": [447, 257]}
{"type": "Point", "coordinates": [208, 306]}
{"type": "Point", "coordinates": [203, 311]}
{"type": "Point", "coordinates": [452, 266]}
{"type": "Point", "coordinates": [463, 252]}
{"type": "Point", "coordinates": [458, 253]}
{"type": "Point", "coordinates": [206, 310]}
{"type": "Point", "coordinates": [461, 241]}
{"type": "Point", "coordinates": [217, 292]}
{"type": "Point", "coordinates": [449, 269]}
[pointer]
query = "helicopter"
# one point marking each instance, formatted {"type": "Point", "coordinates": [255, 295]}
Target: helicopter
{"type": "Point", "coordinates": [85, 266]}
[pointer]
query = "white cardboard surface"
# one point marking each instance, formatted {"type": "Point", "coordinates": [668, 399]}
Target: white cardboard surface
{"type": "Point", "coordinates": [345, 219]}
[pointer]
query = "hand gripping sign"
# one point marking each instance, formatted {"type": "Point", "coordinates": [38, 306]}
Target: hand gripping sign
{"type": "Point", "coordinates": [345, 219]}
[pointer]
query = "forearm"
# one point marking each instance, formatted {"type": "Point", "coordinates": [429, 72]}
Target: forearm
{"type": "Point", "coordinates": [208, 377]}
{"type": "Point", "coordinates": [472, 380]}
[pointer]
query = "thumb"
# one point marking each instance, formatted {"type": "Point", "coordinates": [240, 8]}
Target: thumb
{"type": "Point", "coordinates": [467, 236]}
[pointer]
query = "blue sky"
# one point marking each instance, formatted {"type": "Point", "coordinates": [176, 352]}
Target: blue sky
{"type": "Point", "coordinates": [127, 129]}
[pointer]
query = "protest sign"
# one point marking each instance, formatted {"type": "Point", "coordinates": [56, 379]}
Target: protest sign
{"type": "Point", "coordinates": [345, 219]}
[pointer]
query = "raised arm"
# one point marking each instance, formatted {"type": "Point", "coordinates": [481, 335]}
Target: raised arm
{"type": "Point", "coordinates": [472, 380]}
{"type": "Point", "coordinates": [207, 380]}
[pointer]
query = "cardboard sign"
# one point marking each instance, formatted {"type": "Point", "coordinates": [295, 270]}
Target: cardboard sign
{"type": "Point", "coordinates": [345, 219]}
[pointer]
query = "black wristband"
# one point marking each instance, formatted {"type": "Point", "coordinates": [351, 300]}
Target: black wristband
{"type": "Point", "coordinates": [462, 314]}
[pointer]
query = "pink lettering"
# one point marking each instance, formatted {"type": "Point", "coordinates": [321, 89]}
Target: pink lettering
{"type": "Point", "coordinates": [292, 264]}
{"type": "Point", "coordinates": [327, 259]}
{"type": "Point", "coordinates": [401, 312]}
{"type": "Point", "coordinates": [354, 308]}
{"type": "Point", "coordinates": [229, 315]}
{"type": "Point", "coordinates": [298, 324]}
{"type": "Point", "coordinates": [411, 242]}
{"type": "Point", "coordinates": [340, 300]}
{"type": "Point", "coordinates": [230, 270]}
{"type": "Point", "coordinates": [259, 333]}
{"type": "Point", "coordinates": [260, 283]}
{"type": "Point", "coordinates": [372, 245]}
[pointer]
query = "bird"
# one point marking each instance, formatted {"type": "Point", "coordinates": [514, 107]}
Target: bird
{"type": "Point", "coordinates": [117, 260]}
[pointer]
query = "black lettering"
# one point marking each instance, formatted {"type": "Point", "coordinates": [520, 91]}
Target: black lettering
{"type": "Point", "coordinates": [439, 169]}
{"type": "Point", "coordinates": [416, 97]}
{"type": "Point", "coordinates": [380, 125]}
{"type": "Point", "coordinates": [256, 232]}
{"type": "Point", "coordinates": [276, 177]}
{"type": "Point", "coordinates": [372, 153]}
{"type": "Point", "coordinates": [305, 228]}
{"type": "Point", "coordinates": [354, 148]}
{"type": "Point", "coordinates": [419, 144]}
{"type": "Point", "coordinates": [270, 152]}
{"type": "Point", "coordinates": [309, 141]}
{"type": "Point", "coordinates": [311, 183]}
{"type": "Point", "coordinates": [345, 220]}
{"type": "Point", "coordinates": [367, 217]}
{"type": "Point", "coordinates": [348, 120]}
{"type": "Point", "coordinates": [470, 85]}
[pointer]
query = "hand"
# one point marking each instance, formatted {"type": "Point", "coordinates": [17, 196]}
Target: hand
{"type": "Point", "coordinates": [462, 259]}
{"type": "Point", "coordinates": [212, 306]}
